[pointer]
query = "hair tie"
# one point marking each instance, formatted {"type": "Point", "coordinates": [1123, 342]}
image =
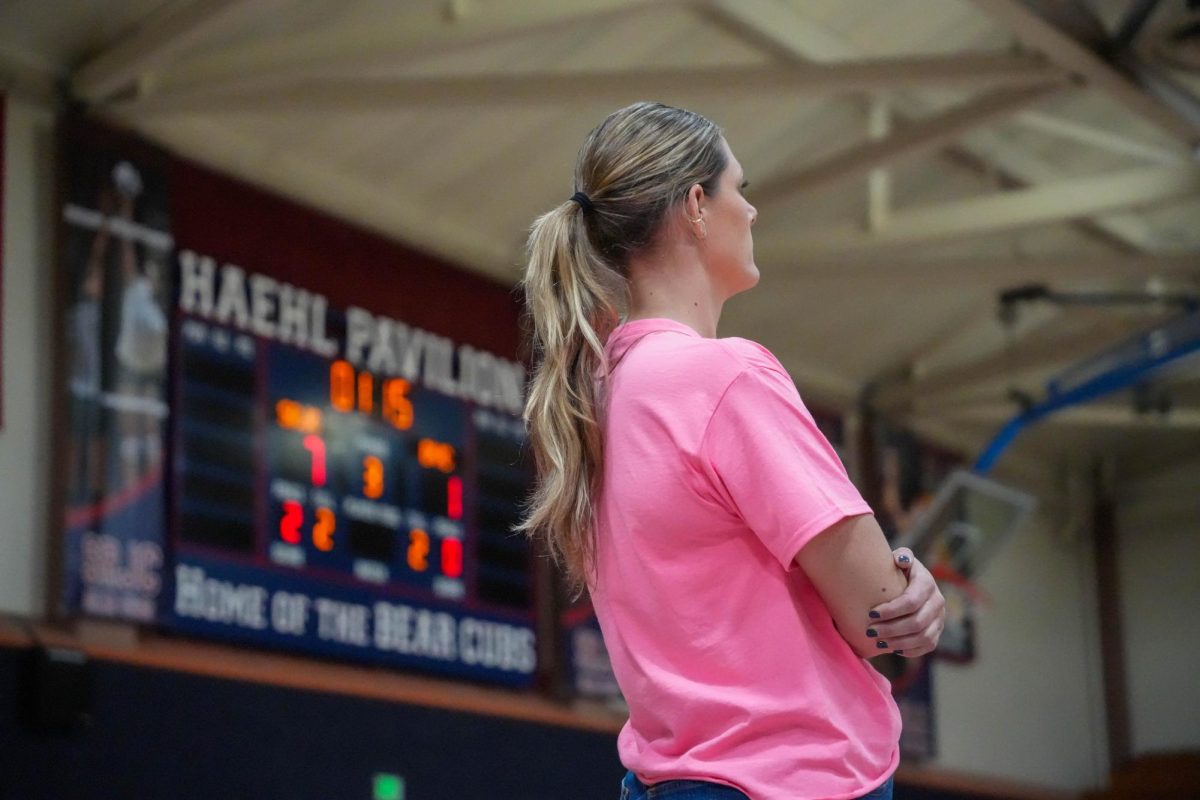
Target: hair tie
{"type": "Point", "coordinates": [584, 202]}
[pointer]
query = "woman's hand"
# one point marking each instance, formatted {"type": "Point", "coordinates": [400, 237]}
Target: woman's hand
{"type": "Point", "coordinates": [912, 623]}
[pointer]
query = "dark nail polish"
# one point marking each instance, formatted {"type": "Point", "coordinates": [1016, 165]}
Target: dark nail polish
{"type": "Point", "coordinates": [904, 559]}
{"type": "Point", "coordinates": [872, 632]}
{"type": "Point", "coordinates": [882, 645]}
{"type": "Point", "coordinates": [873, 615]}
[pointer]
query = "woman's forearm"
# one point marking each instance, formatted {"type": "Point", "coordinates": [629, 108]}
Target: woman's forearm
{"type": "Point", "coordinates": [851, 566]}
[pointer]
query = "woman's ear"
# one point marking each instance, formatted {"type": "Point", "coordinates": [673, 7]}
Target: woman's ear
{"type": "Point", "coordinates": [692, 202]}
{"type": "Point", "coordinates": [693, 208]}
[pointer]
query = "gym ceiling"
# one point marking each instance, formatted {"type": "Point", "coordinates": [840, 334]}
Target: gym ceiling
{"type": "Point", "coordinates": [911, 160]}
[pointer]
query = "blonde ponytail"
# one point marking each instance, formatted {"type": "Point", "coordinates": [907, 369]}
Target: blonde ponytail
{"type": "Point", "coordinates": [574, 302]}
{"type": "Point", "coordinates": [631, 169]}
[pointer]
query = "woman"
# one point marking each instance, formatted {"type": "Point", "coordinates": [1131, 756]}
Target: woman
{"type": "Point", "coordinates": [736, 573]}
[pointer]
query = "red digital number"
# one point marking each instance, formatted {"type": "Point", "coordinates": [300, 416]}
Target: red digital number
{"type": "Point", "coordinates": [454, 497]}
{"type": "Point", "coordinates": [293, 518]}
{"type": "Point", "coordinates": [452, 558]}
{"type": "Point", "coordinates": [316, 447]}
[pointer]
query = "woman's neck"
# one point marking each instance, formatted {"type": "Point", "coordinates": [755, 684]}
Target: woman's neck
{"type": "Point", "coordinates": [674, 286]}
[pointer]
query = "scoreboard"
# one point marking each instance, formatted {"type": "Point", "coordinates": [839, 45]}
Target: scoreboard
{"type": "Point", "coordinates": [363, 460]}
{"type": "Point", "coordinates": [334, 480]}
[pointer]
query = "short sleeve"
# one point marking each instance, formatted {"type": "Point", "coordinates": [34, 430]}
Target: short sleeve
{"type": "Point", "coordinates": [773, 466]}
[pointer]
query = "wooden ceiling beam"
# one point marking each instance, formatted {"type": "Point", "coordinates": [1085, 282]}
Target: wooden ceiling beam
{"type": "Point", "coordinates": [159, 40]}
{"type": "Point", "coordinates": [778, 29]}
{"type": "Point", "coordinates": [367, 94]}
{"type": "Point", "coordinates": [1102, 139]}
{"type": "Point", "coordinates": [1064, 200]}
{"type": "Point", "coordinates": [1040, 35]}
{"type": "Point", "coordinates": [788, 265]}
{"type": "Point", "coordinates": [914, 139]}
{"type": "Point", "coordinates": [786, 32]}
{"type": "Point", "coordinates": [1037, 351]}
{"type": "Point", "coordinates": [354, 45]}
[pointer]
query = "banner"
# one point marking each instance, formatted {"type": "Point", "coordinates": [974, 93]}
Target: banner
{"type": "Point", "coordinates": [116, 252]}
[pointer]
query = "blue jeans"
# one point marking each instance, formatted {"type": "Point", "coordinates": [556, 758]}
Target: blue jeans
{"type": "Point", "coordinates": [633, 789]}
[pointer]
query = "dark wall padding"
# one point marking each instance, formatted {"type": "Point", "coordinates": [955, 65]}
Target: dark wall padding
{"type": "Point", "coordinates": [158, 734]}
{"type": "Point", "coordinates": [162, 734]}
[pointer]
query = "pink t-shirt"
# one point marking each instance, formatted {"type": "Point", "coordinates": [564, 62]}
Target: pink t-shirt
{"type": "Point", "coordinates": [715, 477]}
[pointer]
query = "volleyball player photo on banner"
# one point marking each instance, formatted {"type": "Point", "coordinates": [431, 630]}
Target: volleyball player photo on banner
{"type": "Point", "coordinates": [116, 251]}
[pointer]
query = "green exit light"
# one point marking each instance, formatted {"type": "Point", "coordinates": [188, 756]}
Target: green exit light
{"type": "Point", "coordinates": [388, 787]}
